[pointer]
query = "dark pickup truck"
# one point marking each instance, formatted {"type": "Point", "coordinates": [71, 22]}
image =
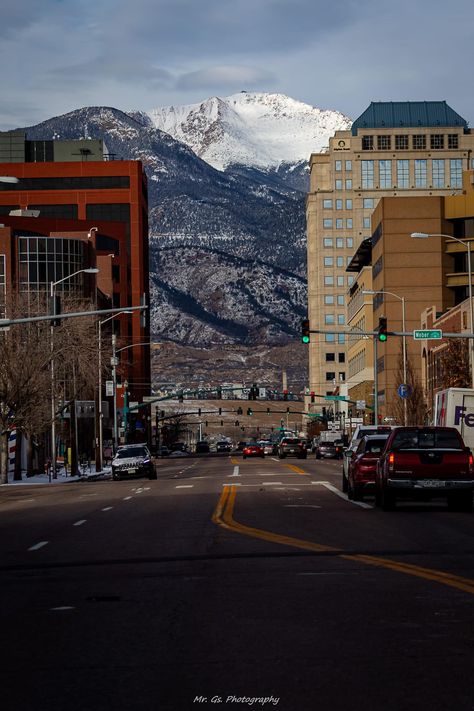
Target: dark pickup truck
{"type": "Point", "coordinates": [422, 463]}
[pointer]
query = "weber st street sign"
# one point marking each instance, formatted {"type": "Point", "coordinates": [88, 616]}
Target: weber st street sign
{"type": "Point", "coordinates": [429, 334]}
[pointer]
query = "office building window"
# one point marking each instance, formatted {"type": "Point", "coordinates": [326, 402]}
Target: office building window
{"type": "Point", "coordinates": [348, 183]}
{"type": "Point", "coordinates": [330, 357]}
{"type": "Point", "coordinates": [350, 242]}
{"type": "Point", "coordinates": [339, 242]}
{"type": "Point", "coordinates": [339, 224]}
{"type": "Point", "coordinates": [385, 173]}
{"type": "Point", "coordinates": [340, 281]}
{"type": "Point", "coordinates": [340, 262]}
{"type": "Point", "coordinates": [438, 173]}
{"type": "Point", "coordinates": [339, 204]}
{"type": "Point", "coordinates": [367, 143]}
{"type": "Point", "coordinates": [403, 174]}
{"type": "Point", "coordinates": [329, 299]}
{"type": "Point", "coordinates": [368, 203]}
{"type": "Point", "coordinates": [453, 140]}
{"type": "Point", "coordinates": [327, 223]}
{"type": "Point", "coordinates": [366, 223]}
{"type": "Point", "coordinates": [348, 204]}
{"type": "Point", "coordinates": [419, 142]}
{"type": "Point", "coordinates": [328, 242]}
{"type": "Point", "coordinates": [341, 357]}
{"type": "Point", "coordinates": [350, 280]}
{"type": "Point", "coordinates": [341, 338]}
{"type": "Point", "coordinates": [338, 165]}
{"type": "Point", "coordinates": [349, 223]}
{"type": "Point", "coordinates": [341, 319]}
{"type": "Point", "coordinates": [341, 300]}
{"type": "Point", "coordinates": [420, 174]}
{"type": "Point", "coordinates": [437, 141]}
{"type": "Point", "coordinates": [455, 173]}
{"type": "Point", "coordinates": [328, 262]}
{"type": "Point", "coordinates": [367, 167]}
{"type": "Point", "coordinates": [329, 319]}
{"type": "Point", "coordinates": [330, 337]}
{"type": "Point", "coordinates": [401, 143]}
{"type": "Point", "coordinates": [348, 165]}
{"type": "Point", "coordinates": [383, 143]}
{"type": "Point", "coordinates": [327, 204]}
{"type": "Point", "coordinates": [328, 281]}
{"type": "Point", "coordinates": [338, 184]}
{"type": "Point", "coordinates": [330, 376]}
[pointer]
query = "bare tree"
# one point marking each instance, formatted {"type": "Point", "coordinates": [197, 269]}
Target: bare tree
{"type": "Point", "coordinates": [455, 369]}
{"type": "Point", "coordinates": [416, 409]}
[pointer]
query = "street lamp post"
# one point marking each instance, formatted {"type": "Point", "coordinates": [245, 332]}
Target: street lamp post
{"type": "Point", "coordinates": [114, 376]}
{"type": "Point", "coordinates": [404, 344]}
{"type": "Point", "coordinates": [424, 235]}
{"type": "Point", "coordinates": [53, 284]}
{"type": "Point", "coordinates": [101, 323]}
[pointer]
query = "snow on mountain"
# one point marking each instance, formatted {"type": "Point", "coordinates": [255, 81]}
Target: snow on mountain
{"type": "Point", "coordinates": [253, 129]}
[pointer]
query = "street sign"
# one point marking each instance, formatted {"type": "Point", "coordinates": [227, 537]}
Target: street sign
{"type": "Point", "coordinates": [404, 390]}
{"type": "Point", "coordinates": [334, 397]}
{"type": "Point", "coordinates": [109, 388]}
{"type": "Point", "coordinates": [360, 405]}
{"type": "Point", "coordinates": [422, 335]}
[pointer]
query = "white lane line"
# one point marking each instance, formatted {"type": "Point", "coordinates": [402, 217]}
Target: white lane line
{"type": "Point", "coordinates": [62, 608]}
{"type": "Point", "coordinates": [127, 498]}
{"type": "Point", "coordinates": [236, 472]}
{"type": "Point", "coordinates": [199, 477]}
{"type": "Point", "coordinates": [302, 506]}
{"type": "Point", "coordinates": [79, 523]}
{"type": "Point", "coordinates": [39, 545]}
{"type": "Point", "coordinates": [275, 483]}
{"type": "Point", "coordinates": [108, 508]}
{"type": "Point", "coordinates": [185, 486]}
{"type": "Point", "coordinates": [341, 495]}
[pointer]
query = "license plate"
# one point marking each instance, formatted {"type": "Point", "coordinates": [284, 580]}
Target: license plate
{"type": "Point", "coordinates": [433, 483]}
{"type": "Point", "coordinates": [131, 471]}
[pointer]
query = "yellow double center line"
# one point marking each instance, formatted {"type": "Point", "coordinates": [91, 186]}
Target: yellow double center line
{"type": "Point", "coordinates": [224, 516]}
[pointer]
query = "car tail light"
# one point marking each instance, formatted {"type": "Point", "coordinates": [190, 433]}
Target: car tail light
{"type": "Point", "coordinates": [391, 461]}
{"type": "Point", "coordinates": [471, 464]}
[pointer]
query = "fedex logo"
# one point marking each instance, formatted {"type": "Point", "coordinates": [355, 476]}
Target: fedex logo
{"type": "Point", "coordinates": [459, 414]}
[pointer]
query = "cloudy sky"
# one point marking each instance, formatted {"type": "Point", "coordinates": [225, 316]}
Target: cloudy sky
{"type": "Point", "coordinates": [60, 55]}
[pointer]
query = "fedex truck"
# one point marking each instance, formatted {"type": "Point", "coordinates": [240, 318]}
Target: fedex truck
{"type": "Point", "coordinates": [454, 407]}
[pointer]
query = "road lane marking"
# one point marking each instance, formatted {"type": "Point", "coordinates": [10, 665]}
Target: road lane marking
{"type": "Point", "coordinates": [302, 506]}
{"type": "Point", "coordinates": [272, 483]}
{"type": "Point", "coordinates": [127, 498]}
{"type": "Point", "coordinates": [39, 545]}
{"type": "Point", "coordinates": [235, 472]}
{"type": "Point", "coordinates": [336, 491]}
{"type": "Point", "coordinates": [184, 486]}
{"type": "Point", "coordinates": [223, 516]}
{"type": "Point", "coordinates": [62, 608]}
{"type": "Point", "coordinates": [296, 469]}
{"type": "Point", "coordinates": [108, 508]}
{"type": "Point", "coordinates": [79, 523]}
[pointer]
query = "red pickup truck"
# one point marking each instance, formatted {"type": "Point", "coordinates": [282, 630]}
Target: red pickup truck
{"type": "Point", "coordinates": [423, 463]}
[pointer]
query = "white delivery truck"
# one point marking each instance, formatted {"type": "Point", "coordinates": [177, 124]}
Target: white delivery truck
{"type": "Point", "coordinates": [454, 407]}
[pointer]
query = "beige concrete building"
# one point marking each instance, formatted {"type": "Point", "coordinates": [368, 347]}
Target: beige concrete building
{"type": "Point", "coordinates": [393, 149]}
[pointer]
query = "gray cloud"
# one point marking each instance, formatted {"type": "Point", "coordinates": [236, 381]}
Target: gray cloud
{"type": "Point", "coordinates": [227, 78]}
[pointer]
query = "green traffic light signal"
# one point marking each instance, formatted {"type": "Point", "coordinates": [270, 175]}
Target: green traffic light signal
{"type": "Point", "coordinates": [382, 337]}
{"type": "Point", "coordinates": [305, 331]}
{"type": "Point", "coordinates": [382, 330]}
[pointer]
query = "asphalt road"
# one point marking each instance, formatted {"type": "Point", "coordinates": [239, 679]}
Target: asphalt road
{"type": "Point", "coordinates": [232, 584]}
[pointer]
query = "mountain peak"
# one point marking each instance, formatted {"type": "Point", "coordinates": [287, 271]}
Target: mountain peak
{"type": "Point", "coordinates": [254, 129]}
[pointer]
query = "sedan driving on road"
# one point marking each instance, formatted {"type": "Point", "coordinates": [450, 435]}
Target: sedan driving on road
{"type": "Point", "coordinates": [363, 465]}
{"type": "Point", "coordinates": [252, 449]}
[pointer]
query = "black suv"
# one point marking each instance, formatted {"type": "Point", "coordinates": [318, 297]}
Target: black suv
{"type": "Point", "coordinates": [133, 461]}
{"type": "Point", "coordinates": [292, 447]}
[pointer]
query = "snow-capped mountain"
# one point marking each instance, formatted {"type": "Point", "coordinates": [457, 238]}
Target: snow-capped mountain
{"type": "Point", "coordinates": [257, 130]}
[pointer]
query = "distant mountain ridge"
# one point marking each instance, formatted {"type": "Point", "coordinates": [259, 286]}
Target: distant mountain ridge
{"type": "Point", "coordinates": [227, 242]}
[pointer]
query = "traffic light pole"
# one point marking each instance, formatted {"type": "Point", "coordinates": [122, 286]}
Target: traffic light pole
{"type": "Point", "coordinates": [376, 383]}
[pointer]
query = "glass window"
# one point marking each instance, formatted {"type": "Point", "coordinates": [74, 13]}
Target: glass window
{"type": "Point", "coordinates": [367, 143]}
{"type": "Point", "coordinates": [341, 338]}
{"type": "Point", "coordinates": [338, 165]}
{"type": "Point", "coordinates": [330, 357]}
{"type": "Point", "coordinates": [348, 183]}
{"type": "Point", "coordinates": [403, 173]}
{"type": "Point", "coordinates": [340, 281]}
{"type": "Point", "coordinates": [368, 203]}
{"type": "Point", "coordinates": [341, 300]}
{"type": "Point", "coordinates": [419, 142]}
{"type": "Point", "coordinates": [385, 173]}
{"type": "Point", "coordinates": [328, 262]}
{"type": "Point", "coordinates": [437, 141]}
{"type": "Point", "coordinates": [438, 173]}
{"type": "Point", "coordinates": [453, 140]}
{"type": "Point", "coordinates": [329, 319]}
{"type": "Point", "coordinates": [328, 281]}
{"type": "Point", "coordinates": [340, 242]}
{"type": "Point", "coordinates": [329, 299]}
{"type": "Point", "coordinates": [350, 242]}
{"type": "Point", "coordinates": [348, 165]}
{"type": "Point", "coordinates": [342, 357]}
{"type": "Point", "coordinates": [341, 319]}
{"type": "Point", "coordinates": [327, 204]}
{"type": "Point", "coordinates": [350, 280]}
{"type": "Point", "coordinates": [420, 174]}
{"type": "Point", "coordinates": [348, 204]}
{"type": "Point", "coordinates": [455, 172]}
{"type": "Point", "coordinates": [340, 262]}
{"type": "Point", "coordinates": [338, 184]}
{"type": "Point", "coordinates": [339, 223]}
{"type": "Point", "coordinates": [327, 222]}
{"type": "Point", "coordinates": [366, 222]}
{"type": "Point", "coordinates": [401, 143]}
{"type": "Point", "coordinates": [367, 167]}
{"type": "Point", "coordinates": [349, 223]}
{"type": "Point", "coordinates": [339, 204]}
{"type": "Point", "coordinates": [328, 242]}
{"type": "Point", "coordinates": [330, 376]}
{"type": "Point", "coordinates": [383, 143]}
{"type": "Point", "coordinates": [329, 337]}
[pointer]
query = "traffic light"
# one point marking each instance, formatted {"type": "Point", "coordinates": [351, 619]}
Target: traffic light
{"type": "Point", "coordinates": [285, 394]}
{"type": "Point", "coordinates": [249, 411]}
{"type": "Point", "coordinates": [382, 330]}
{"type": "Point", "coordinates": [305, 330]}
{"type": "Point", "coordinates": [199, 411]}
{"type": "Point", "coordinates": [55, 309]}
{"type": "Point", "coordinates": [240, 411]}
{"type": "Point", "coordinates": [220, 411]}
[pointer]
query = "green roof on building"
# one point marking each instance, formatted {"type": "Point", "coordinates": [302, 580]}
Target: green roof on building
{"type": "Point", "coordinates": [408, 114]}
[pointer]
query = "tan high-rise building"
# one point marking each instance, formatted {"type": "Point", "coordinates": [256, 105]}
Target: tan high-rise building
{"type": "Point", "coordinates": [393, 149]}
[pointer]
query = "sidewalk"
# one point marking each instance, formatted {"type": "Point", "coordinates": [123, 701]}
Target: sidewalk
{"type": "Point", "coordinates": [91, 474]}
